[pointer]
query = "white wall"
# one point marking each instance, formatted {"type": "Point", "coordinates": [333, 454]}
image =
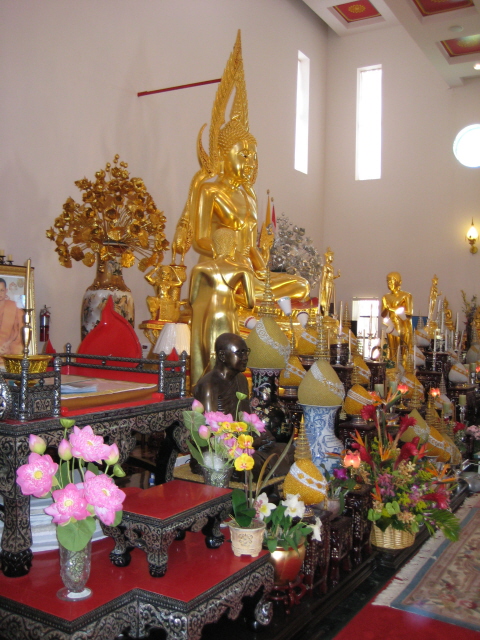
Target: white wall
{"type": "Point", "coordinates": [415, 218]}
{"type": "Point", "coordinates": [69, 77]}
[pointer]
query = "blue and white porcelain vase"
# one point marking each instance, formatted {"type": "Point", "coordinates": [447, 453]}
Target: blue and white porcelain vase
{"type": "Point", "coordinates": [320, 430]}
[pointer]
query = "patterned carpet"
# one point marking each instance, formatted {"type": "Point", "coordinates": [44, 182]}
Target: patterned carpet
{"type": "Point", "coordinates": [443, 580]}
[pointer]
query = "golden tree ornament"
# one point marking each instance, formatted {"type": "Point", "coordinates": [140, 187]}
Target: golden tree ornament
{"type": "Point", "coordinates": [116, 210]}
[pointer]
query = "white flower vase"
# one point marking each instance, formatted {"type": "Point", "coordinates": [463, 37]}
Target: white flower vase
{"type": "Point", "coordinates": [75, 571]}
{"type": "Point", "coordinates": [320, 430]}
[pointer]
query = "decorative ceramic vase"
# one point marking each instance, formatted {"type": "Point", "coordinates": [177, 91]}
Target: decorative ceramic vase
{"type": "Point", "coordinates": [247, 542]}
{"type": "Point", "coordinates": [320, 430]}
{"type": "Point", "coordinates": [108, 282]}
{"type": "Point", "coordinates": [75, 571]}
{"type": "Point", "coordinates": [287, 564]}
{"type": "Point", "coordinates": [217, 477]}
{"type": "Point", "coordinates": [266, 404]}
{"type": "Point", "coordinates": [391, 538]}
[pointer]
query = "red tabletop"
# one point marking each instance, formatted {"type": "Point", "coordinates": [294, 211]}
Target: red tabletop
{"type": "Point", "coordinates": [192, 570]}
{"type": "Point", "coordinates": [172, 498]}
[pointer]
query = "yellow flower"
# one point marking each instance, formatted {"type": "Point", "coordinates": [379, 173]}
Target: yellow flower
{"type": "Point", "coordinates": [239, 426]}
{"type": "Point", "coordinates": [245, 441]}
{"type": "Point", "coordinates": [244, 462]}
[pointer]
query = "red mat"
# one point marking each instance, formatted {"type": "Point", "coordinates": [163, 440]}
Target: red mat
{"type": "Point", "coordinates": [384, 623]}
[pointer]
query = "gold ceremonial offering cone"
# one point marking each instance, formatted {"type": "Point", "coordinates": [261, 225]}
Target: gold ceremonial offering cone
{"type": "Point", "coordinates": [36, 364]}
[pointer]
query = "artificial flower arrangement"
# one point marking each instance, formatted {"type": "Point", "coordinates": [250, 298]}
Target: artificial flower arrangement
{"type": "Point", "coordinates": [339, 483]}
{"type": "Point", "coordinates": [462, 434]}
{"type": "Point", "coordinates": [218, 441]}
{"type": "Point", "coordinates": [75, 504]}
{"type": "Point", "coordinates": [408, 490]}
{"type": "Point", "coordinates": [284, 526]}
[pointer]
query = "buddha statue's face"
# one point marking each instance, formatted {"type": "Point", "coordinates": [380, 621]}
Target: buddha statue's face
{"type": "Point", "coordinates": [393, 282]}
{"type": "Point", "coordinates": [241, 161]}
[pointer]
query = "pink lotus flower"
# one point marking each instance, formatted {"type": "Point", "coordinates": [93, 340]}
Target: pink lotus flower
{"type": "Point", "coordinates": [86, 445]}
{"type": "Point", "coordinates": [65, 450]}
{"type": "Point", "coordinates": [36, 444]}
{"type": "Point", "coordinates": [113, 456]}
{"type": "Point", "coordinates": [215, 418]}
{"type": "Point", "coordinates": [36, 477]}
{"type": "Point", "coordinates": [104, 495]}
{"type": "Point", "coordinates": [197, 406]}
{"type": "Point", "coordinates": [253, 420]}
{"type": "Point", "coordinates": [204, 431]}
{"type": "Point", "coordinates": [69, 503]}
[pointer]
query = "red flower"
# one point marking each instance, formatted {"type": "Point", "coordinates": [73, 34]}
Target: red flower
{"type": "Point", "coordinates": [459, 426]}
{"type": "Point", "coordinates": [368, 412]}
{"type": "Point", "coordinates": [440, 497]}
{"type": "Point", "coordinates": [405, 422]}
{"type": "Point", "coordinates": [408, 450]}
{"type": "Point", "coordinates": [364, 455]}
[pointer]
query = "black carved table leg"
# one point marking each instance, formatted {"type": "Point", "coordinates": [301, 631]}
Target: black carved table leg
{"type": "Point", "coordinates": [16, 555]}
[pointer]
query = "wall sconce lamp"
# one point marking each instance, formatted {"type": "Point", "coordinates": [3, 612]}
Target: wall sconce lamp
{"type": "Point", "coordinates": [472, 237]}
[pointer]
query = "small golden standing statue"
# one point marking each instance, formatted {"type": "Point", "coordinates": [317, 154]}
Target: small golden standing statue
{"type": "Point", "coordinates": [432, 307]}
{"type": "Point", "coordinates": [397, 307]}
{"type": "Point", "coordinates": [327, 284]}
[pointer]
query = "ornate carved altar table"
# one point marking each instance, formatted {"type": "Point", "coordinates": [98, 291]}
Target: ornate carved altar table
{"type": "Point", "coordinates": [154, 517]}
{"type": "Point", "coordinates": [199, 587]}
{"type": "Point", "coordinates": [116, 423]}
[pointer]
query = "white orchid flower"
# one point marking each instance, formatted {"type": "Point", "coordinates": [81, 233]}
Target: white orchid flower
{"type": "Point", "coordinates": [295, 506]}
{"type": "Point", "coordinates": [317, 530]}
{"type": "Point", "coordinates": [263, 507]}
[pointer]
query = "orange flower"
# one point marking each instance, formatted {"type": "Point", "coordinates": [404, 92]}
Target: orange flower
{"type": "Point", "coordinates": [403, 388]}
{"type": "Point", "coordinates": [434, 392]}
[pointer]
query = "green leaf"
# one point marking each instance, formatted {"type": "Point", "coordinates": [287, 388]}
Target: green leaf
{"type": "Point", "coordinates": [240, 395]}
{"type": "Point", "coordinates": [93, 468]}
{"type": "Point", "coordinates": [74, 536]}
{"type": "Point", "coordinates": [118, 518]}
{"type": "Point", "coordinates": [271, 544]}
{"type": "Point", "coordinates": [195, 453]}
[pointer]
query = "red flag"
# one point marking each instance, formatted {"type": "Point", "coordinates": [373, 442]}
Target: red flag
{"type": "Point", "coordinates": [274, 219]}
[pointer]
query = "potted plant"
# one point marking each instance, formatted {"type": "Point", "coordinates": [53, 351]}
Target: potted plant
{"type": "Point", "coordinates": [339, 483]}
{"type": "Point", "coordinates": [409, 491]}
{"type": "Point", "coordinates": [285, 534]}
{"type": "Point", "coordinates": [219, 443]}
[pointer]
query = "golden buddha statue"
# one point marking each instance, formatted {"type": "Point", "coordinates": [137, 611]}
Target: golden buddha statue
{"type": "Point", "coordinates": [221, 193]}
{"type": "Point", "coordinates": [213, 298]}
{"type": "Point", "coordinates": [167, 281]}
{"type": "Point", "coordinates": [448, 316]}
{"type": "Point", "coordinates": [397, 308]}
{"type": "Point", "coordinates": [432, 310]}
{"type": "Point", "coordinates": [327, 285]}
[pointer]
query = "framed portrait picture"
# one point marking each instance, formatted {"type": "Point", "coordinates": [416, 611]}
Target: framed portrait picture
{"type": "Point", "coordinates": [12, 303]}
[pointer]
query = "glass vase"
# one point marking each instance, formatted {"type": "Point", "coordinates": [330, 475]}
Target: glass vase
{"type": "Point", "coordinates": [217, 477]}
{"type": "Point", "coordinates": [75, 571]}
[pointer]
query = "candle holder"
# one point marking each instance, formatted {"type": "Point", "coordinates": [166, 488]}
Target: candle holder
{"type": "Point", "coordinates": [462, 410]}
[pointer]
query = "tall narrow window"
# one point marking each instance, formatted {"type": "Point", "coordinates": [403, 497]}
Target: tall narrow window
{"type": "Point", "coordinates": [369, 123]}
{"type": "Point", "coordinates": [301, 125]}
